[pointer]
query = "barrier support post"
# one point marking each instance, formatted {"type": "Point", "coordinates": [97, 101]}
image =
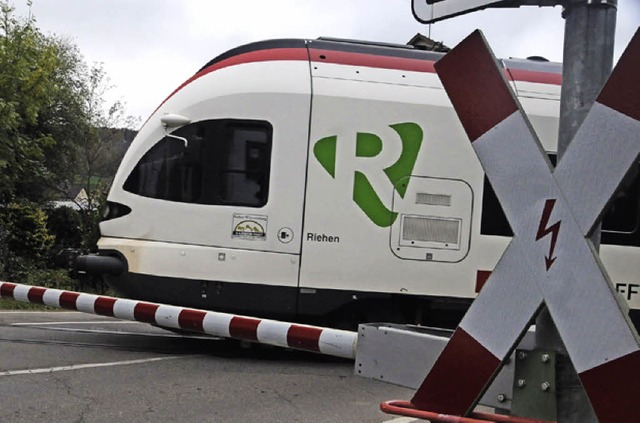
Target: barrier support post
{"type": "Point", "coordinates": [587, 63]}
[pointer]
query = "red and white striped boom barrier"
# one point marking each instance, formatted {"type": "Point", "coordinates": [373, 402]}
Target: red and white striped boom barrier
{"type": "Point", "coordinates": [334, 342]}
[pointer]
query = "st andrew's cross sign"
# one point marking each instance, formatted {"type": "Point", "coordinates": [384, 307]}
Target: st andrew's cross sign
{"type": "Point", "coordinates": [549, 261]}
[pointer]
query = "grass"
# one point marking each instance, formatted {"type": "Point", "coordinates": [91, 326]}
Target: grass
{"type": "Point", "coordinates": [9, 304]}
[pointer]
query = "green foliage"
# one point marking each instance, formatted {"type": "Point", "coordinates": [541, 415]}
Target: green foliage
{"type": "Point", "coordinates": [55, 126]}
{"type": "Point", "coordinates": [90, 220]}
{"type": "Point", "coordinates": [56, 278]}
{"type": "Point", "coordinates": [51, 278]}
{"type": "Point", "coordinates": [5, 253]}
{"type": "Point", "coordinates": [65, 224]}
{"type": "Point", "coordinates": [56, 130]}
{"type": "Point", "coordinates": [9, 304]}
{"type": "Point", "coordinates": [29, 237]}
{"type": "Point", "coordinates": [29, 62]}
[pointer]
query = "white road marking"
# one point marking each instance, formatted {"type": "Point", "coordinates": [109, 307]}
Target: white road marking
{"type": "Point", "coordinates": [86, 366]}
{"type": "Point", "coordinates": [120, 332]}
{"type": "Point", "coordinates": [402, 420]}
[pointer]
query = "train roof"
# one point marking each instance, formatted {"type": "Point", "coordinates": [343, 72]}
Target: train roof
{"type": "Point", "coordinates": [363, 53]}
{"type": "Point", "coordinates": [371, 54]}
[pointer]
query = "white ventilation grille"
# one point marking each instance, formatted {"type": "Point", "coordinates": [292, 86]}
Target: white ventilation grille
{"type": "Point", "coordinates": [430, 229]}
{"type": "Point", "coordinates": [433, 199]}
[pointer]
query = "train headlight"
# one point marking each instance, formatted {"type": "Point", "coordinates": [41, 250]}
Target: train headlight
{"type": "Point", "coordinates": [114, 210]}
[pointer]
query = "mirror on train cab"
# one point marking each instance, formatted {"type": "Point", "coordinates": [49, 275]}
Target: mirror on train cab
{"type": "Point", "coordinates": [172, 120]}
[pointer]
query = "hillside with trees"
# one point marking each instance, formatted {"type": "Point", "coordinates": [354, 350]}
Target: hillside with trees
{"type": "Point", "coordinates": [56, 132]}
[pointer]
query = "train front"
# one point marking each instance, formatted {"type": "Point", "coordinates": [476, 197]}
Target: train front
{"type": "Point", "coordinates": [205, 208]}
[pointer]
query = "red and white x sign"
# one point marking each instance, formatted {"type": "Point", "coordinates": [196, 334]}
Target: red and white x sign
{"type": "Point", "coordinates": [549, 261]}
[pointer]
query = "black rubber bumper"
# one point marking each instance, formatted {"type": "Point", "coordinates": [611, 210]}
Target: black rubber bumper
{"type": "Point", "coordinates": [99, 265]}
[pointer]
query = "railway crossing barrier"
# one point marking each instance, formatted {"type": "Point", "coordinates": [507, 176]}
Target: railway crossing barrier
{"type": "Point", "coordinates": [375, 355]}
{"type": "Point", "coordinates": [549, 261]}
{"type": "Point", "coordinates": [334, 342]}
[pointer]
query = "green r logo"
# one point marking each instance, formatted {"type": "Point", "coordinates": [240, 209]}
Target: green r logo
{"type": "Point", "coordinates": [370, 145]}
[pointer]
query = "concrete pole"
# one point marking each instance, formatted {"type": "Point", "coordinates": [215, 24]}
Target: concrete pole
{"type": "Point", "coordinates": [587, 63]}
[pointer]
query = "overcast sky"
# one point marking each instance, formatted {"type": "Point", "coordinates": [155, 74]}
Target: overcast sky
{"type": "Point", "coordinates": [149, 47]}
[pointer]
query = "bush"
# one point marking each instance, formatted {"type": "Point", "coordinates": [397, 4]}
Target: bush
{"type": "Point", "coordinates": [26, 237]}
{"type": "Point", "coordinates": [65, 224]}
{"type": "Point", "coordinates": [58, 279]}
{"type": "Point", "coordinates": [5, 253]}
{"type": "Point", "coordinates": [50, 278]}
{"type": "Point", "coordinates": [30, 239]}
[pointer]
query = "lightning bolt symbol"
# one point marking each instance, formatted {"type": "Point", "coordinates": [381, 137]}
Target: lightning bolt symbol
{"type": "Point", "coordinates": [543, 231]}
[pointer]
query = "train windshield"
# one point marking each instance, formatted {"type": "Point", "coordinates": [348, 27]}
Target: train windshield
{"type": "Point", "coordinates": [225, 162]}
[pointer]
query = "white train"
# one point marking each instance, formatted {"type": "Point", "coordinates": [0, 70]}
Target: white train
{"type": "Point", "coordinates": [324, 179]}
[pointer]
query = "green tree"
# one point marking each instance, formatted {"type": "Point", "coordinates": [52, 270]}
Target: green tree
{"type": "Point", "coordinates": [101, 145]}
{"type": "Point", "coordinates": [28, 62]}
{"type": "Point", "coordinates": [56, 130]}
{"type": "Point", "coordinates": [64, 120]}
{"type": "Point", "coordinates": [27, 240]}
{"type": "Point", "coordinates": [104, 140]}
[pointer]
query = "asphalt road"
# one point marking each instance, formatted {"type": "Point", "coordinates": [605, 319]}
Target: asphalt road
{"type": "Point", "coordinates": [75, 367]}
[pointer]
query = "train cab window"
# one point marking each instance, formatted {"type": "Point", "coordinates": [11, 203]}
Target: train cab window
{"type": "Point", "coordinates": [493, 221]}
{"type": "Point", "coordinates": [224, 162]}
{"type": "Point", "coordinates": [620, 224]}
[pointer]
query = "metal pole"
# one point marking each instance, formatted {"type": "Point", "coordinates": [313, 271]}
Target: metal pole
{"type": "Point", "coordinates": [587, 63]}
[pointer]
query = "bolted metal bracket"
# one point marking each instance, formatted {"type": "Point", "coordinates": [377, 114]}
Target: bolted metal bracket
{"type": "Point", "coordinates": [534, 385]}
{"type": "Point", "coordinates": [404, 354]}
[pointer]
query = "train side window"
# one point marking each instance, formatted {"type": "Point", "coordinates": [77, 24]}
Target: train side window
{"type": "Point", "coordinates": [493, 221]}
{"type": "Point", "coordinates": [225, 162]}
{"type": "Point", "coordinates": [620, 224]}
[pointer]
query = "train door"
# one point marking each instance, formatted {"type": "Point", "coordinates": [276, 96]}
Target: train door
{"type": "Point", "coordinates": [371, 131]}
